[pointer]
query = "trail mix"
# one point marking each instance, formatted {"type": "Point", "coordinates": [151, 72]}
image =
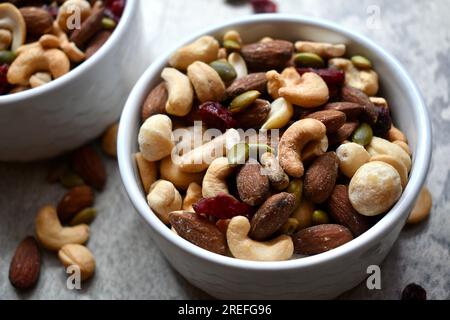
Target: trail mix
{"type": "Point", "coordinates": [64, 229]}
{"type": "Point", "coordinates": [303, 156]}
{"type": "Point", "coordinates": [42, 40]}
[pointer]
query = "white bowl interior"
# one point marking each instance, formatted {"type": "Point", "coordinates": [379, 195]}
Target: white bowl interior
{"type": "Point", "coordinates": [407, 106]}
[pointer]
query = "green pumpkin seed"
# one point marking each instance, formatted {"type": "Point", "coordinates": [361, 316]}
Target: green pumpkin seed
{"type": "Point", "coordinates": [320, 217]}
{"type": "Point", "coordinates": [231, 45]}
{"type": "Point", "coordinates": [7, 56]}
{"type": "Point", "coordinates": [224, 69]}
{"type": "Point", "coordinates": [244, 100]}
{"type": "Point", "coordinates": [361, 62]}
{"type": "Point", "coordinates": [363, 135]}
{"type": "Point", "coordinates": [238, 154]}
{"type": "Point", "coordinates": [296, 188]}
{"type": "Point", "coordinates": [70, 180]}
{"type": "Point", "coordinates": [85, 216]}
{"type": "Point", "coordinates": [108, 23]}
{"type": "Point", "coordinates": [308, 60]}
{"type": "Point", "coordinates": [290, 227]}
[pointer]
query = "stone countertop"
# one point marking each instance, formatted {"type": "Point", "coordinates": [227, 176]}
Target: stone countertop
{"type": "Point", "coordinates": [129, 266]}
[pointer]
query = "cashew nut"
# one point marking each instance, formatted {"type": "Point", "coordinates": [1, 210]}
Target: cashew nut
{"type": "Point", "coordinates": [279, 180]}
{"type": "Point", "coordinates": [364, 80]}
{"type": "Point", "coordinates": [381, 146]}
{"type": "Point", "coordinates": [171, 172]}
{"type": "Point", "coordinates": [148, 171]}
{"type": "Point", "coordinates": [5, 39]}
{"type": "Point", "coordinates": [80, 256]}
{"type": "Point", "coordinates": [325, 50]}
{"type": "Point", "coordinates": [242, 247]}
{"type": "Point", "coordinates": [70, 10]}
{"type": "Point", "coordinates": [163, 199]}
{"type": "Point", "coordinates": [39, 79]}
{"type": "Point", "coordinates": [281, 112]}
{"type": "Point", "coordinates": [181, 94]}
{"type": "Point", "coordinates": [379, 102]}
{"type": "Point", "coordinates": [294, 140]}
{"type": "Point", "coordinates": [12, 20]}
{"type": "Point", "coordinates": [308, 90]}
{"type": "Point", "coordinates": [37, 59]}
{"type": "Point", "coordinates": [52, 235]}
{"type": "Point", "coordinates": [397, 164]}
{"type": "Point", "coordinates": [204, 49]}
{"type": "Point", "coordinates": [404, 146]}
{"type": "Point", "coordinates": [351, 157]}
{"type": "Point", "coordinates": [155, 137]}
{"type": "Point", "coordinates": [59, 39]}
{"type": "Point", "coordinates": [206, 81]}
{"type": "Point", "coordinates": [193, 195]}
{"type": "Point", "coordinates": [73, 52]}
{"type": "Point", "coordinates": [200, 158]}
{"type": "Point", "coordinates": [239, 64]}
{"type": "Point", "coordinates": [395, 134]}
{"type": "Point", "coordinates": [214, 182]}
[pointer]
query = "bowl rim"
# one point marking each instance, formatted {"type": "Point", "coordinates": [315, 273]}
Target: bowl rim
{"type": "Point", "coordinates": [419, 170]}
{"type": "Point", "coordinates": [56, 84]}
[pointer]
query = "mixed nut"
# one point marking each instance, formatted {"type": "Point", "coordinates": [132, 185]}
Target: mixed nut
{"type": "Point", "coordinates": [43, 40]}
{"type": "Point", "coordinates": [317, 165]}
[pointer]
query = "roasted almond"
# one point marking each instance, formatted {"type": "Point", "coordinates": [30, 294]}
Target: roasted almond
{"type": "Point", "coordinates": [199, 231]}
{"type": "Point", "coordinates": [253, 81]}
{"type": "Point", "coordinates": [97, 42]}
{"type": "Point", "coordinates": [332, 119]}
{"type": "Point", "coordinates": [38, 21]}
{"type": "Point", "coordinates": [88, 28]}
{"type": "Point", "coordinates": [254, 116]}
{"type": "Point", "coordinates": [354, 95]}
{"type": "Point", "coordinates": [87, 162]}
{"type": "Point", "coordinates": [342, 134]}
{"type": "Point", "coordinates": [321, 238]}
{"type": "Point", "coordinates": [351, 110]}
{"type": "Point", "coordinates": [252, 185]}
{"type": "Point", "coordinates": [341, 210]}
{"type": "Point", "coordinates": [272, 215]}
{"type": "Point", "coordinates": [155, 102]}
{"type": "Point", "coordinates": [268, 55]}
{"type": "Point", "coordinates": [320, 178]}
{"type": "Point", "coordinates": [75, 200]}
{"type": "Point", "coordinates": [25, 265]}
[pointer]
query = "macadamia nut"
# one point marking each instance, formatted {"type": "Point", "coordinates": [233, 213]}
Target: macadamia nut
{"type": "Point", "coordinates": [351, 157]}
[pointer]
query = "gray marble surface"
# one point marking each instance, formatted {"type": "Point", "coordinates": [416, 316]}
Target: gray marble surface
{"type": "Point", "coordinates": [129, 264]}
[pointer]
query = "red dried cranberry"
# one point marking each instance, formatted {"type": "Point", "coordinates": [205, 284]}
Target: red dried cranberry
{"type": "Point", "coordinates": [263, 6]}
{"type": "Point", "coordinates": [214, 115]}
{"type": "Point", "coordinates": [332, 77]}
{"type": "Point", "coordinates": [383, 123]}
{"type": "Point", "coordinates": [4, 84]}
{"type": "Point", "coordinates": [116, 7]}
{"type": "Point", "coordinates": [414, 292]}
{"type": "Point", "coordinates": [222, 206]}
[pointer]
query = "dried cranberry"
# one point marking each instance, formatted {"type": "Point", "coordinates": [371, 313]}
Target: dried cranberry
{"type": "Point", "coordinates": [214, 115]}
{"type": "Point", "coordinates": [115, 7]}
{"type": "Point", "coordinates": [4, 84]}
{"type": "Point", "coordinates": [414, 292]}
{"type": "Point", "coordinates": [263, 6]}
{"type": "Point", "coordinates": [383, 123]}
{"type": "Point", "coordinates": [222, 206]}
{"type": "Point", "coordinates": [332, 77]}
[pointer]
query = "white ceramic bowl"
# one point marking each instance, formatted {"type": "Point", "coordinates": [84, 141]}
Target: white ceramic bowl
{"type": "Point", "coordinates": [322, 276]}
{"type": "Point", "coordinates": [70, 111]}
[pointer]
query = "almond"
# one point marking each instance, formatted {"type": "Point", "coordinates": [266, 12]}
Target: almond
{"type": "Point", "coordinates": [253, 187]}
{"type": "Point", "coordinates": [351, 110]}
{"type": "Point", "coordinates": [341, 210]}
{"type": "Point", "coordinates": [272, 215]}
{"type": "Point", "coordinates": [199, 231]}
{"type": "Point", "coordinates": [268, 55]}
{"type": "Point", "coordinates": [319, 239]}
{"type": "Point", "coordinates": [74, 201]}
{"type": "Point", "coordinates": [38, 21]}
{"type": "Point", "coordinates": [354, 95]}
{"type": "Point", "coordinates": [25, 265]}
{"type": "Point", "coordinates": [155, 102]}
{"type": "Point", "coordinates": [253, 81]}
{"type": "Point", "coordinates": [88, 28]}
{"type": "Point", "coordinates": [254, 116]}
{"type": "Point", "coordinates": [332, 119]}
{"type": "Point", "coordinates": [342, 134]}
{"type": "Point", "coordinates": [97, 42]}
{"type": "Point", "coordinates": [320, 178]}
{"type": "Point", "coordinates": [89, 165]}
